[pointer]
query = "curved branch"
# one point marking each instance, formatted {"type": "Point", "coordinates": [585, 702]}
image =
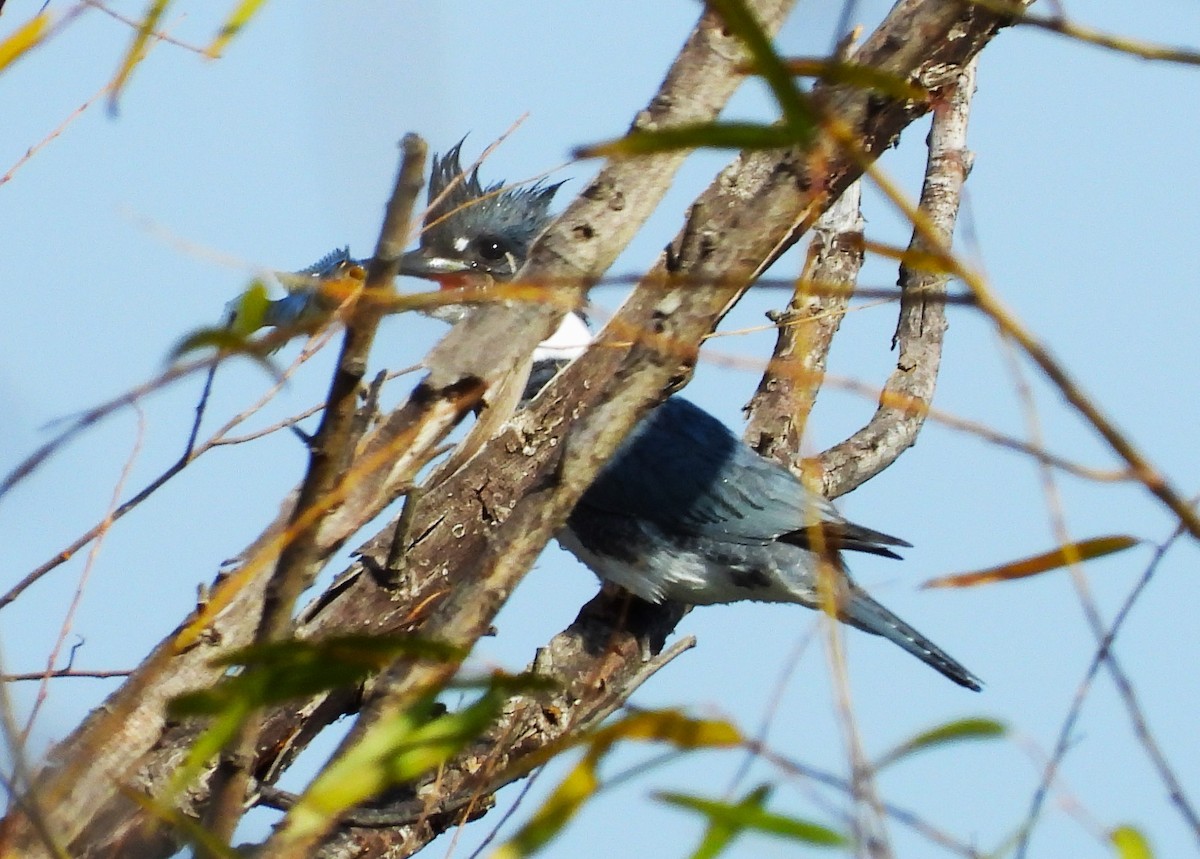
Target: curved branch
{"type": "Point", "coordinates": [922, 324]}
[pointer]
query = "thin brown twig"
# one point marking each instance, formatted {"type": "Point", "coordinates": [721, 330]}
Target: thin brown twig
{"type": "Point", "coordinates": [329, 451]}
{"type": "Point", "coordinates": [1054, 505]}
{"type": "Point", "coordinates": [901, 815]}
{"type": "Point", "coordinates": [761, 734]}
{"type": "Point", "coordinates": [156, 35]}
{"type": "Point", "coordinates": [191, 453]}
{"type": "Point", "coordinates": [85, 574]}
{"type": "Point", "coordinates": [989, 302]}
{"type": "Point", "coordinates": [62, 126]}
{"type": "Point", "coordinates": [220, 439]}
{"type": "Point", "coordinates": [1102, 655]}
{"type": "Point", "coordinates": [1059, 24]}
{"type": "Point", "coordinates": [62, 673]}
{"type": "Point", "coordinates": [17, 785]}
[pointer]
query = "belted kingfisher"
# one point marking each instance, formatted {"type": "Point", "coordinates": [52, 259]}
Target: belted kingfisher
{"type": "Point", "coordinates": [684, 510]}
{"type": "Point", "coordinates": [469, 229]}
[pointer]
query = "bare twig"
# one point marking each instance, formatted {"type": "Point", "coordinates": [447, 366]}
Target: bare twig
{"type": "Point", "coordinates": [778, 412]}
{"type": "Point", "coordinates": [900, 815]}
{"type": "Point", "coordinates": [922, 323]}
{"type": "Point", "coordinates": [330, 449]}
{"type": "Point", "coordinates": [1103, 654]}
{"type": "Point", "coordinates": [63, 673]}
{"type": "Point", "coordinates": [1122, 44]}
{"type": "Point", "coordinates": [77, 597]}
{"type": "Point", "coordinates": [157, 35]}
{"type": "Point", "coordinates": [191, 454]}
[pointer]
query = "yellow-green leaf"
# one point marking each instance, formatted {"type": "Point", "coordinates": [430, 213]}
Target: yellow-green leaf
{"type": "Point", "coordinates": [669, 726]}
{"type": "Point", "coordinates": [915, 260]}
{"type": "Point", "coordinates": [398, 748]}
{"type": "Point", "coordinates": [700, 135]}
{"type": "Point", "coordinates": [237, 19]}
{"type": "Point", "coordinates": [137, 51]}
{"type": "Point", "coordinates": [1130, 843]}
{"type": "Point", "coordinates": [726, 820]}
{"type": "Point", "coordinates": [24, 39]}
{"type": "Point", "coordinates": [558, 809]}
{"type": "Point", "coordinates": [250, 311]}
{"type": "Point", "coordinates": [951, 732]}
{"type": "Point", "coordinates": [1070, 553]}
{"type": "Point", "coordinates": [798, 115]}
{"type": "Point", "coordinates": [220, 731]}
{"type": "Point", "coordinates": [863, 77]}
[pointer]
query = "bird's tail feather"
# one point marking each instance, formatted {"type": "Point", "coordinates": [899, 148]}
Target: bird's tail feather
{"type": "Point", "coordinates": [860, 610]}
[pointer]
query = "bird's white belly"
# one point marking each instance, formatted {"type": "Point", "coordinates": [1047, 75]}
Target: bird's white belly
{"type": "Point", "coordinates": [689, 577]}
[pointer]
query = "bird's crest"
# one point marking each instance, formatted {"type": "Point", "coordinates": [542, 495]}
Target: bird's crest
{"type": "Point", "coordinates": [461, 205]}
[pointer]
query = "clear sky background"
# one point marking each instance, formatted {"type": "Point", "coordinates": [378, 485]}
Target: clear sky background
{"type": "Point", "coordinates": [124, 233]}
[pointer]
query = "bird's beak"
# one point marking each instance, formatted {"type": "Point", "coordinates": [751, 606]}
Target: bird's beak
{"type": "Point", "coordinates": [420, 263]}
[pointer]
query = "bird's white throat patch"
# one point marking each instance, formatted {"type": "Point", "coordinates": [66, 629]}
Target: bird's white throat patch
{"type": "Point", "coordinates": [567, 343]}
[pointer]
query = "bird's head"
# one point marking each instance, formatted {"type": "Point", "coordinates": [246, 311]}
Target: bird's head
{"type": "Point", "coordinates": [472, 229]}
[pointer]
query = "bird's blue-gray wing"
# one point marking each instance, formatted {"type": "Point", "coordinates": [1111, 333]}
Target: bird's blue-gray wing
{"type": "Point", "coordinates": [683, 470]}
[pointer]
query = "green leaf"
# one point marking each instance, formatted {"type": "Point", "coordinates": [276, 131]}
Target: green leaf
{"type": "Point", "coordinates": [862, 77]}
{"type": "Point", "coordinates": [669, 726]}
{"type": "Point", "coordinates": [700, 135]}
{"type": "Point", "coordinates": [284, 670]}
{"type": "Point", "coordinates": [799, 119]}
{"type": "Point", "coordinates": [1063, 556]}
{"type": "Point", "coordinates": [727, 820]}
{"type": "Point", "coordinates": [1130, 843]}
{"type": "Point", "coordinates": [951, 732]}
{"type": "Point", "coordinates": [798, 115]}
{"type": "Point", "coordinates": [396, 749]}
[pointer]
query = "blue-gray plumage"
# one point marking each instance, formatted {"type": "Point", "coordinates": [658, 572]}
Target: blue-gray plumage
{"type": "Point", "coordinates": [304, 305]}
{"type": "Point", "coordinates": [683, 510]}
{"type": "Point", "coordinates": [475, 229]}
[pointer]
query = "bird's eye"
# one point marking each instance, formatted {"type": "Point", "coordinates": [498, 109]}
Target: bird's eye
{"type": "Point", "coordinates": [491, 248]}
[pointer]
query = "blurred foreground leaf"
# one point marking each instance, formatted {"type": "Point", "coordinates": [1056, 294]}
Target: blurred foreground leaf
{"type": "Point", "coordinates": [668, 726]}
{"type": "Point", "coordinates": [233, 25]}
{"type": "Point", "coordinates": [24, 39]}
{"type": "Point", "coordinates": [1130, 843]}
{"type": "Point", "coordinates": [863, 77]}
{"type": "Point", "coordinates": [397, 750]}
{"type": "Point", "coordinates": [951, 732]}
{"type": "Point", "coordinates": [1071, 553]}
{"type": "Point", "coordinates": [282, 671]}
{"type": "Point", "coordinates": [701, 135]}
{"type": "Point", "coordinates": [727, 820]}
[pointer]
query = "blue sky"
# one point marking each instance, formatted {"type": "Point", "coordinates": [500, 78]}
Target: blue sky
{"type": "Point", "coordinates": [124, 233]}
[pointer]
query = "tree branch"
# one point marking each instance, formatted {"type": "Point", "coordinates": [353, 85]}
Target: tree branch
{"type": "Point", "coordinates": [922, 324]}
